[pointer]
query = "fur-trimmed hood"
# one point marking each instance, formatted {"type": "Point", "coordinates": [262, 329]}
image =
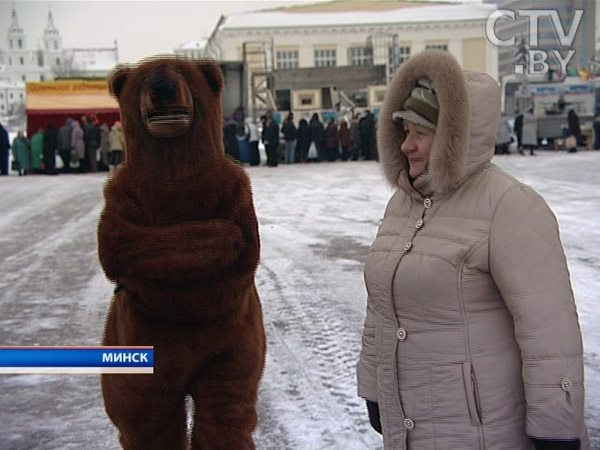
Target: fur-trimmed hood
{"type": "Point", "coordinates": [466, 131]}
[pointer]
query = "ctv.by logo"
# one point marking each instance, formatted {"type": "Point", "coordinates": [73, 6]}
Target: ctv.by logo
{"type": "Point", "coordinates": [536, 59]}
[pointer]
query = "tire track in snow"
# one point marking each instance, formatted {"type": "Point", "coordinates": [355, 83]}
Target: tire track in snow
{"type": "Point", "coordinates": [313, 341]}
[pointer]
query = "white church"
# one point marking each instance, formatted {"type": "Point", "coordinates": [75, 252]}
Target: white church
{"type": "Point", "coordinates": [50, 61]}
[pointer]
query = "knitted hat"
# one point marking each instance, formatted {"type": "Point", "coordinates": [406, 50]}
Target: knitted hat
{"type": "Point", "coordinates": [422, 107]}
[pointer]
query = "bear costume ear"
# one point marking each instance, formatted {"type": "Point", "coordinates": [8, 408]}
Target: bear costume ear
{"type": "Point", "coordinates": [117, 79]}
{"type": "Point", "coordinates": [212, 73]}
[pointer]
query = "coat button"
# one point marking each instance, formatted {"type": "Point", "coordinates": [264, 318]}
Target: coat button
{"type": "Point", "coordinates": [427, 203]}
{"type": "Point", "coordinates": [409, 424]}
{"type": "Point", "coordinates": [401, 334]}
{"type": "Point", "coordinates": [565, 384]}
{"type": "Point", "coordinates": [419, 224]}
{"type": "Point", "coordinates": [407, 246]}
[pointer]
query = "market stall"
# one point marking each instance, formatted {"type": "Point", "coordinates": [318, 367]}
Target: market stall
{"type": "Point", "coordinates": [53, 102]}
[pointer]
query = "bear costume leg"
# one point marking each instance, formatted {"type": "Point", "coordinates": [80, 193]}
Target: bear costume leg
{"type": "Point", "coordinates": [226, 390]}
{"type": "Point", "coordinates": [145, 422]}
{"type": "Point", "coordinates": [148, 412]}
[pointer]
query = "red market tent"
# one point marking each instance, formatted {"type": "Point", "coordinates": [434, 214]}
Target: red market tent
{"type": "Point", "coordinates": [54, 102]}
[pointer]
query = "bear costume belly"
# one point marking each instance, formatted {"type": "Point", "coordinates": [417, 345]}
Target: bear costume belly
{"type": "Point", "coordinates": [179, 237]}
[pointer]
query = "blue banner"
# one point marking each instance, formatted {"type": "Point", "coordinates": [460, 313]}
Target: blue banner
{"type": "Point", "coordinates": [98, 357]}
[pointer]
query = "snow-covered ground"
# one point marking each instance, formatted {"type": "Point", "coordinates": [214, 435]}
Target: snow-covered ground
{"type": "Point", "coordinates": [316, 222]}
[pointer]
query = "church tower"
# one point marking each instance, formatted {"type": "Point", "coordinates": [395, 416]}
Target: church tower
{"type": "Point", "coordinates": [52, 45]}
{"type": "Point", "coordinates": [17, 56]}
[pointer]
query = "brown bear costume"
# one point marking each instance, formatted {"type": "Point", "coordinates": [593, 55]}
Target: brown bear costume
{"type": "Point", "coordinates": [179, 237]}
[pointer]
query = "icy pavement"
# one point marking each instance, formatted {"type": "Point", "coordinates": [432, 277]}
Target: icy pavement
{"type": "Point", "coordinates": [316, 222]}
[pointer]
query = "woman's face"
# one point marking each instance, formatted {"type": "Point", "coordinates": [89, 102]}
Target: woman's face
{"type": "Point", "coordinates": [416, 147]}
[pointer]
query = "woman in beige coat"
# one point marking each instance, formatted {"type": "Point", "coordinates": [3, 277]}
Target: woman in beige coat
{"type": "Point", "coordinates": [471, 339]}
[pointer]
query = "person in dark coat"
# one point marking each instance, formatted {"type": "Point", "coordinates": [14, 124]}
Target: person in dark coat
{"type": "Point", "coordinates": [317, 134]}
{"type": "Point", "coordinates": [344, 138]}
{"type": "Point", "coordinates": [367, 135]}
{"type": "Point", "coordinates": [64, 144]}
{"type": "Point", "coordinates": [574, 128]}
{"type": "Point", "coordinates": [104, 147]}
{"type": "Point", "coordinates": [518, 127]}
{"type": "Point", "coordinates": [597, 133]}
{"type": "Point", "coordinates": [270, 138]}
{"type": "Point", "coordinates": [290, 134]}
{"type": "Point", "coordinates": [4, 148]}
{"type": "Point", "coordinates": [355, 138]}
{"type": "Point", "coordinates": [49, 150]}
{"type": "Point", "coordinates": [331, 141]}
{"type": "Point", "coordinates": [91, 139]}
{"type": "Point", "coordinates": [230, 141]}
{"type": "Point", "coordinates": [303, 141]}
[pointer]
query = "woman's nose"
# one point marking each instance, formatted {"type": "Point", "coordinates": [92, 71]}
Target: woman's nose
{"type": "Point", "coordinates": [408, 145]}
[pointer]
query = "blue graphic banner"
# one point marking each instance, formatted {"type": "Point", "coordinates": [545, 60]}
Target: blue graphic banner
{"type": "Point", "coordinates": [76, 359]}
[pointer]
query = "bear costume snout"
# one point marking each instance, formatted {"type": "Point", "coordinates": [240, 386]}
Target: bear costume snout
{"type": "Point", "coordinates": [166, 103]}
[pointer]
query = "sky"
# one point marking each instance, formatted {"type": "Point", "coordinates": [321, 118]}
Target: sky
{"type": "Point", "coordinates": [316, 223]}
{"type": "Point", "coordinates": [141, 28]}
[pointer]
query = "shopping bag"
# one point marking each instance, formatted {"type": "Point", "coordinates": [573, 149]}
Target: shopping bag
{"type": "Point", "coordinates": [58, 162]}
{"type": "Point", "coordinates": [312, 151]}
{"type": "Point", "coordinates": [570, 142]}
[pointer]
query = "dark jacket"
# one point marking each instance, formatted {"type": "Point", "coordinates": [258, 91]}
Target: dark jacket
{"type": "Point", "coordinates": [331, 136]}
{"type": "Point", "coordinates": [289, 131]}
{"type": "Point", "coordinates": [270, 134]}
{"type": "Point", "coordinates": [303, 136]}
{"type": "Point", "coordinates": [574, 128]}
{"type": "Point", "coordinates": [344, 134]}
{"type": "Point", "coordinates": [317, 131]}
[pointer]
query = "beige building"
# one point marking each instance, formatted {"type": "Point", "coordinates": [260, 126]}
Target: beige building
{"type": "Point", "coordinates": [348, 34]}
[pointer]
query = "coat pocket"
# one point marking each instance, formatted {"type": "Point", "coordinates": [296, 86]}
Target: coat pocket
{"type": "Point", "coordinates": [472, 393]}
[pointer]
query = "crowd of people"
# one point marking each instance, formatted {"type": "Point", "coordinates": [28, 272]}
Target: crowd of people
{"type": "Point", "coordinates": [310, 140]}
{"type": "Point", "coordinates": [524, 131]}
{"type": "Point", "coordinates": [76, 147]}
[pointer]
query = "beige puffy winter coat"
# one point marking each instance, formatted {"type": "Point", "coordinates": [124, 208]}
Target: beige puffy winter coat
{"type": "Point", "coordinates": [471, 339]}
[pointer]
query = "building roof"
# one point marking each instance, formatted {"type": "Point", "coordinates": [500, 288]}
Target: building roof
{"type": "Point", "coordinates": [193, 45]}
{"type": "Point", "coordinates": [92, 59]}
{"type": "Point", "coordinates": [290, 18]}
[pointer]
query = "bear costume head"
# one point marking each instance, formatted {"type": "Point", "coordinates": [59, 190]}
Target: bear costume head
{"type": "Point", "coordinates": [171, 102]}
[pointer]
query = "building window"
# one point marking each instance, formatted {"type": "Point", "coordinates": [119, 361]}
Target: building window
{"type": "Point", "coordinates": [403, 53]}
{"type": "Point", "coordinates": [325, 57]}
{"type": "Point", "coordinates": [306, 100]}
{"type": "Point", "coordinates": [20, 93]}
{"type": "Point", "coordinates": [23, 78]}
{"type": "Point", "coordinates": [283, 98]}
{"type": "Point", "coordinates": [287, 59]}
{"type": "Point", "coordinates": [437, 46]}
{"type": "Point", "coordinates": [20, 43]}
{"type": "Point", "coordinates": [10, 61]}
{"type": "Point", "coordinates": [55, 45]}
{"type": "Point", "coordinates": [10, 95]}
{"type": "Point", "coordinates": [22, 61]}
{"type": "Point", "coordinates": [398, 54]}
{"type": "Point", "coordinates": [1, 96]}
{"type": "Point", "coordinates": [11, 43]}
{"type": "Point", "coordinates": [360, 56]}
{"type": "Point", "coordinates": [1, 107]}
{"type": "Point", "coordinates": [58, 61]}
